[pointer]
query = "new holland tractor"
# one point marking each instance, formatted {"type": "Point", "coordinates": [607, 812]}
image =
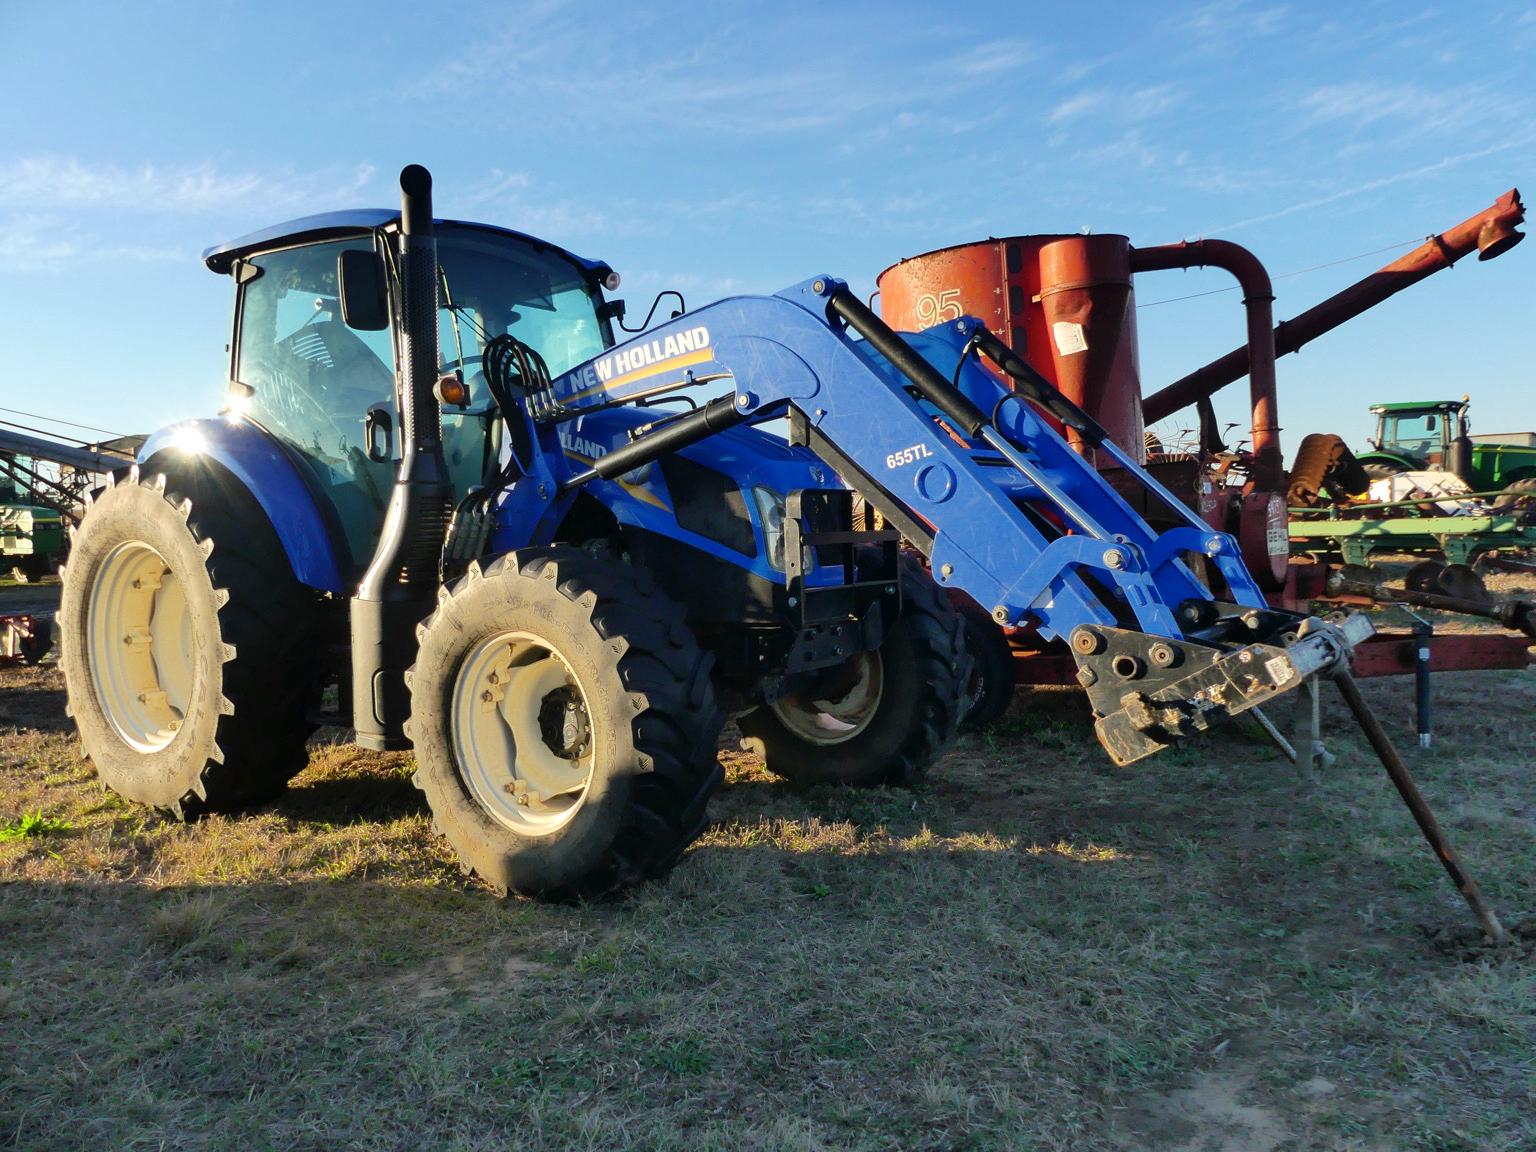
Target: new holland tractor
{"type": "Point", "coordinates": [447, 506]}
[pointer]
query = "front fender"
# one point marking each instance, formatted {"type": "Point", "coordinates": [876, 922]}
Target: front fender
{"type": "Point", "coordinates": [310, 538]}
{"type": "Point", "coordinates": [1402, 463]}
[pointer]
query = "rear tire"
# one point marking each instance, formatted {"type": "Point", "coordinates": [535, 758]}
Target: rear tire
{"type": "Point", "coordinates": [1379, 470]}
{"type": "Point", "coordinates": [564, 724]}
{"type": "Point", "coordinates": [921, 670]}
{"type": "Point", "coordinates": [187, 644]}
{"type": "Point", "coordinates": [1518, 498]}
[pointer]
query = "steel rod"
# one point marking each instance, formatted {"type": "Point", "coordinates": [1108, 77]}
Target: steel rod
{"type": "Point", "coordinates": [1392, 761]}
{"type": "Point", "coordinates": [1275, 734]}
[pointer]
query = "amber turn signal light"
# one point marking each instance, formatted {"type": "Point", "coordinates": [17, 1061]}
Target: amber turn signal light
{"type": "Point", "coordinates": [451, 390]}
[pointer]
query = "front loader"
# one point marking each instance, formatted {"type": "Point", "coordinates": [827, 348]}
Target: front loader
{"type": "Point", "coordinates": [579, 553]}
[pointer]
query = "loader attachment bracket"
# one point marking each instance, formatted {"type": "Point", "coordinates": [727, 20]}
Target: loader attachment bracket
{"type": "Point", "coordinates": [1148, 691]}
{"type": "Point", "coordinates": [837, 620]}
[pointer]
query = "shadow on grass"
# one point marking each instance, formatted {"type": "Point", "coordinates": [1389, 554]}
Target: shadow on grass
{"type": "Point", "coordinates": [35, 707]}
{"type": "Point", "coordinates": [351, 799]}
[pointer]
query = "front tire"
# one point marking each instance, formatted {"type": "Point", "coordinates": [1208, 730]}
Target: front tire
{"type": "Point", "coordinates": [564, 724]}
{"type": "Point", "coordinates": [890, 715]}
{"type": "Point", "coordinates": [186, 644]}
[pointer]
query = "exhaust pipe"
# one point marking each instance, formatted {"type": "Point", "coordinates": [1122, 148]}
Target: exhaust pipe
{"type": "Point", "coordinates": [399, 588]}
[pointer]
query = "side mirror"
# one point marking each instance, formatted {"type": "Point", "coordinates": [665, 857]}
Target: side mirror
{"type": "Point", "coordinates": [360, 281]}
{"type": "Point", "coordinates": [1430, 424]}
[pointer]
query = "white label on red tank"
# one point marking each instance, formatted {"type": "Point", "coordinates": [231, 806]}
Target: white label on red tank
{"type": "Point", "coordinates": [1277, 532]}
{"type": "Point", "coordinates": [1069, 337]}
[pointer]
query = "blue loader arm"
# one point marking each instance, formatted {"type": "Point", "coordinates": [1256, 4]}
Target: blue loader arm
{"type": "Point", "coordinates": [1063, 553]}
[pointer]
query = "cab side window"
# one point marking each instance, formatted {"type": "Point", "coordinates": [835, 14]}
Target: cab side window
{"type": "Point", "coordinates": [312, 381]}
{"type": "Point", "coordinates": [301, 361]}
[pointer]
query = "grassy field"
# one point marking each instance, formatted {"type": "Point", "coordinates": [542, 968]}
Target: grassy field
{"type": "Point", "coordinates": [1034, 950]}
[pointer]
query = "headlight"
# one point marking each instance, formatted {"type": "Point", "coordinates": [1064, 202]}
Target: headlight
{"type": "Point", "coordinates": [770, 514]}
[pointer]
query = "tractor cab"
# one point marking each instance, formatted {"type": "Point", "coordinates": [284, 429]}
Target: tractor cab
{"type": "Point", "coordinates": [1420, 434]}
{"type": "Point", "coordinates": [324, 384]}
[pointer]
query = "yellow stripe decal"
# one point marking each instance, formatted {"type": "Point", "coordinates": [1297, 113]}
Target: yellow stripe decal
{"type": "Point", "coordinates": [703, 355]}
{"type": "Point", "coordinates": [635, 490]}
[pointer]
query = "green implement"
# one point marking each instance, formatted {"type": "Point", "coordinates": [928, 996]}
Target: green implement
{"type": "Point", "coordinates": [1460, 538]}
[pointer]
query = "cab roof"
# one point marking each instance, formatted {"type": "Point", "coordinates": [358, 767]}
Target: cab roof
{"type": "Point", "coordinates": [328, 225]}
{"type": "Point", "coordinates": [1419, 406]}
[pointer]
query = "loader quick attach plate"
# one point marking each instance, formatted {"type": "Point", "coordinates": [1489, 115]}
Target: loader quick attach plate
{"type": "Point", "coordinates": [835, 621]}
{"type": "Point", "coordinates": [1147, 691]}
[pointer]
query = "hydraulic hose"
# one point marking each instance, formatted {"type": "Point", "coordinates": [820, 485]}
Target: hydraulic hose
{"type": "Point", "coordinates": [1035, 387]}
{"type": "Point", "coordinates": [924, 376]}
{"type": "Point", "coordinates": [716, 416]}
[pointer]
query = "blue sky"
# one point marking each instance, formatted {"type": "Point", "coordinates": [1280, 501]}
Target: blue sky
{"type": "Point", "coordinates": [723, 148]}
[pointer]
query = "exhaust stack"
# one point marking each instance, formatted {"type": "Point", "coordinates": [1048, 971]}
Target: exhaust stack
{"type": "Point", "coordinates": [399, 588]}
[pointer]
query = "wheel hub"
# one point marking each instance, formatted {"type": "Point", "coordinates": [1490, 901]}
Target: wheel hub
{"type": "Point", "coordinates": [142, 651]}
{"type": "Point", "coordinates": [522, 733]}
{"type": "Point", "coordinates": [838, 709]}
{"type": "Point", "coordinates": [564, 724]}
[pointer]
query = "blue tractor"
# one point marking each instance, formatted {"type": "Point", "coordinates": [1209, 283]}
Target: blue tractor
{"type": "Point", "coordinates": [446, 504]}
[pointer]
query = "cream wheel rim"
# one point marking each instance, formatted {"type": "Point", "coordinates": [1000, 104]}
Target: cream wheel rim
{"type": "Point", "coordinates": [522, 733]}
{"type": "Point", "coordinates": [142, 646]}
{"type": "Point", "coordinates": [827, 719]}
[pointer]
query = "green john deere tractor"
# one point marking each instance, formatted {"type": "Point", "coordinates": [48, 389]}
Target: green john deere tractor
{"type": "Point", "coordinates": [1432, 436]}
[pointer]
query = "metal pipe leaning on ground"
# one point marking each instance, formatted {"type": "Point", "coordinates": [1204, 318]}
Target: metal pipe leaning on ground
{"type": "Point", "coordinates": [1391, 759]}
{"type": "Point", "coordinates": [1327, 651]}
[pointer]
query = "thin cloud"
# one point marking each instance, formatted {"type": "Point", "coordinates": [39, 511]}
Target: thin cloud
{"type": "Point", "coordinates": [46, 244]}
{"type": "Point", "coordinates": [497, 185]}
{"type": "Point", "coordinates": [1441, 165]}
{"type": "Point", "coordinates": [1124, 104]}
{"type": "Point", "coordinates": [54, 181]}
{"type": "Point", "coordinates": [1229, 20]}
{"type": "Point", "coordinates": [1149, 102]}
{"type": "Point", "coordinates": [1127, 150]}
{"type": "Point", "coordinates": [1361, 106]}
{"type": "Point", "coordinates": [1079, 105]}
{"type": "Point", "coordinates": [718, 84]}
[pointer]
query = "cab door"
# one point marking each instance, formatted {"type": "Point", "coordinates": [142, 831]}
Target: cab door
{"type": "Point", "coordinates": [325, 390]}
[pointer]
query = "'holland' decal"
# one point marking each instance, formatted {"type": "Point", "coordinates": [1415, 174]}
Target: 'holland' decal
{"type": "Point", "coordinates": [625, 361]}
{"type": "Point", "coordinates": [675, 351]}
{"type": "Point", "coordinates": [581, 446]}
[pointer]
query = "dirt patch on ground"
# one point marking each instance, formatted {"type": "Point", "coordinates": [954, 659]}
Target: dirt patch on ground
{"type": "Point", "coordinates": [1215, 1113]}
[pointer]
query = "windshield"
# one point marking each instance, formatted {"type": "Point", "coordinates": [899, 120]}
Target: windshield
{"type": "Point", "coordinates": [1412, 432]}
{"type": "Point", "coordinates": [495, 284]}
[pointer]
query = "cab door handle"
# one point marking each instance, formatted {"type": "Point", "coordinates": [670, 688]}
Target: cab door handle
{"type": "Point", "coordinates": [379, 434]}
